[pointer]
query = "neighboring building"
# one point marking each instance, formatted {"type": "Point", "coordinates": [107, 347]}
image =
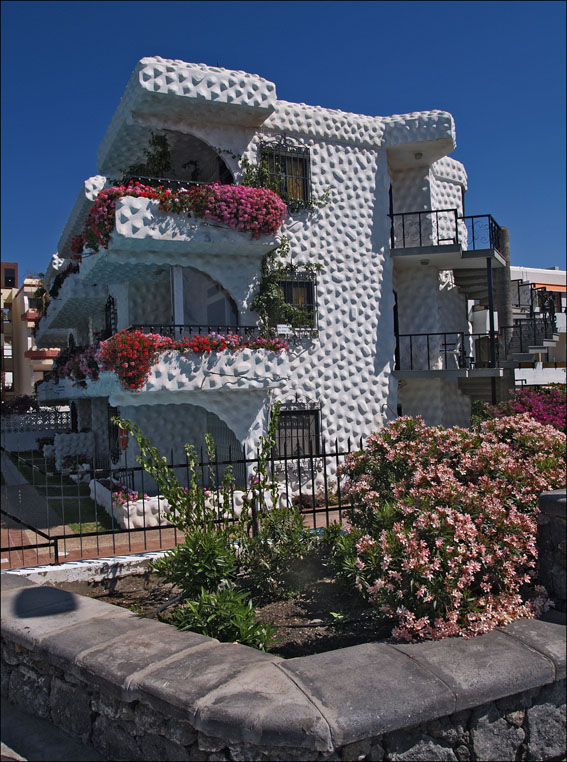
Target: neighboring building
{"type": "Point", "coordinates": [23, 364]}
{"type": "Point", "coordinates": [407, 300]}
{"type": "Point", "coordinates": [539, 295]}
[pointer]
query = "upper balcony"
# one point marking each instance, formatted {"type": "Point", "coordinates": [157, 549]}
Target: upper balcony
{"type": "Point", "coordinates": [449, 241]}
{"type": "Point", "coordinates": [143, 225]}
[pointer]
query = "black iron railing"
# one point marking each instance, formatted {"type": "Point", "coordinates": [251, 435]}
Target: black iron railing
{"type": "Point", "coordinates": [78, 526]}
{"type": "Point", "coordinates": [447, 350]}
{"type": "Point", "coordinates": [483, 232]}
{"type": "Point", "coordinates": [178, 330]}
{"type": "Point", "coordinates": [162, 182]}
{"type": "Point", "coordinates": [437, 227]}
{"type": "Point", "coordinates": [442, 227]}
{"type": "Point", "coordinates": [526, 333]}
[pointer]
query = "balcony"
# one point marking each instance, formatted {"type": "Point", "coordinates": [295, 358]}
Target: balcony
{"type": "Point", "coordinates": [41, 354]}
{"type": "Point", "coordinates": [449, 353]}
{"type": "Point", "coordinates": [144, 236]}
{"type": "Point", "coordinates": [449, 241]}
{"type": "Point", "coordinates": [179, 378]}
{"type": "Point", "coordinates": [74, 304]}
{"type": "Point", "coordinates": [31, 315]}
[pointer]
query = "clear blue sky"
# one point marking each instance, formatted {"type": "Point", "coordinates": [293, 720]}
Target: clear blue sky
{"type": "Point", "coordinates": [498, 67]}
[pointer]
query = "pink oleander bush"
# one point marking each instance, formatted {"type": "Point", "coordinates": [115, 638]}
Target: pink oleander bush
{"type": "Point", "coordinates": [443, 532]}
{"type": "Point", "coordinates": [132, 354]}
{"type": "Point", "coordinates": [258, 211]}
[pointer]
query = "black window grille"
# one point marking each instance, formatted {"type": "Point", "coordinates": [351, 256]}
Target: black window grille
{"type": "Point", "coordinates": [289, 171]}
{"type": "Point", "coordinates": [298, 433]}
{"type": "Point", "coordinates": [110, 319]}
{"type": "Point", "coordinates": [300, 293]}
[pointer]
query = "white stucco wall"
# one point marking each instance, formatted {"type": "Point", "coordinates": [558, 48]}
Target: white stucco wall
{"type": "Point", "coordinates": [438, 401]}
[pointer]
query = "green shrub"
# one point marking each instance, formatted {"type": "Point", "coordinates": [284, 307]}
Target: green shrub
{"type": "Point", "coordinates": [269, 557]}
{"type": "Point", "coordinates": [227, 614]}
{"type": "Point", "coordinates": [204, 560]}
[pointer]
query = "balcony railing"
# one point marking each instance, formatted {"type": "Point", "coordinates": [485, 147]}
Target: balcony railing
{"type": "Point", "coordinates": [176, 331]}
{"type": "Point", "coordinates": [528, 332]}
{"type": "Point", "coordinates": [449, 350]}
{"type": "Point", "coordinates": [442, 227]}
{"type": "Point", "coordinates": [163, 182]}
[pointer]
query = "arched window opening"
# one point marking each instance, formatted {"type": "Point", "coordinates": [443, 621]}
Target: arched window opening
{"type": "Point", "coordinates": [176, 159]}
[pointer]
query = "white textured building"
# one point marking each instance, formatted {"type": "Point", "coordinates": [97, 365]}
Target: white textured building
{"type": "Point", "coordinates": [405, 279]}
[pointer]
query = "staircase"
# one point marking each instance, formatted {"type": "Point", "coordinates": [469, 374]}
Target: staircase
{"type": "Point", "coordinates": [472, 283]}
{"type": "Point", "coordinates": [480, 388]}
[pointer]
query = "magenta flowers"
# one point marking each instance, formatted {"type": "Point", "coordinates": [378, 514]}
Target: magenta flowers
{"type": "Point", "coordinates": [258, 211]}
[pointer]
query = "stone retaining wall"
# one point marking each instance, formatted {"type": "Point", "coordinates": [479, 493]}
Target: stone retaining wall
{"type": "Point", "coordinates": [552, 544]}
{"type": "Point", "coordinates": [137, 689]}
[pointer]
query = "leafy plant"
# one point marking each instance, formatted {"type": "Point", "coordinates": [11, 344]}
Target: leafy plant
{"type": "Point", "coordinates": [204, 560]}
{"type": "Point", "coordinates": [158, 159]}
{"type": "Point", "coordinates": [204, 566]}
{"type": "Point", "coordinates": [270, 556]}
{"type": "Point", "coordinates": [270, 302]}
{"type": "Point", "coordinates": [445, 522]}
{"type": "Point", "coordinates": [227, 614]}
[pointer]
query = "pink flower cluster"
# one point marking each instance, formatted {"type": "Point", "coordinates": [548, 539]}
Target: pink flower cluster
{"type": "Point", "coordinates": [121, 495]}
{"type": "Point", "coordinates": [546, 405]}
{"type": "Point", "coordinates": [258, 211]}
{"type": "Point", "coordinates": [79, 365]}
{"type": "Point", "coordinates": [445, 521]}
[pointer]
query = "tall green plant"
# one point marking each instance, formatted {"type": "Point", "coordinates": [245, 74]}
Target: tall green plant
{"type": "Point", "coordinates": [204, 565]}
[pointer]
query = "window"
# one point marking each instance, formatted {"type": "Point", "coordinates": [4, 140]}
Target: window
{"type": "Point", "coordinates": [300, 293]}
{"type": "Point", "coordinates": [288, 168]}
{"type": "Point", "coordinates": [9, 278]}
{"type": "Point", "coordinates": [110, 318]}
{"type": "Point", "coordinates": [298, 433]}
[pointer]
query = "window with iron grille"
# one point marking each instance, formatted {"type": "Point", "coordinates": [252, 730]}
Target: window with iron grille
{"type": "Point", "coordinates": [110, 318]}
{"type": "Point", "coordinates": [288, 168]}
{"type": "Point", "coordinates": [298, 433]}
{"type": "Point", "coordinates": [300, 294]}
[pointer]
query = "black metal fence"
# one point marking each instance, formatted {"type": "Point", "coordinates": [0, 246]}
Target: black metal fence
{"type": "Point", "coordinates": [449, 350]}
{"type": "Point", "coordinates": [87, 511]}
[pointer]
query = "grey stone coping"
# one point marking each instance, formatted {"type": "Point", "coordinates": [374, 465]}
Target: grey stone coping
{"type": "Point", "coordinates": [554, 503]}
{"type": "Point", "coordinates": [316, 702]}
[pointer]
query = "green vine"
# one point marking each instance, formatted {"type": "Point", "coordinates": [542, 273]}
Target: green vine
{"type": "Point", "coordinates": [270, 302]}
{"type": "Point", "coordinates": [257, 175]}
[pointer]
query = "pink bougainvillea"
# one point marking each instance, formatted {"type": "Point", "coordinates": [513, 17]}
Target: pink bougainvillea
{"type": "Point", "coordinates": [444, 522]}
{"type": "Point", "coordinates": [258, 211]}
{"type": "Point", "coordinates": [546, 405]}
